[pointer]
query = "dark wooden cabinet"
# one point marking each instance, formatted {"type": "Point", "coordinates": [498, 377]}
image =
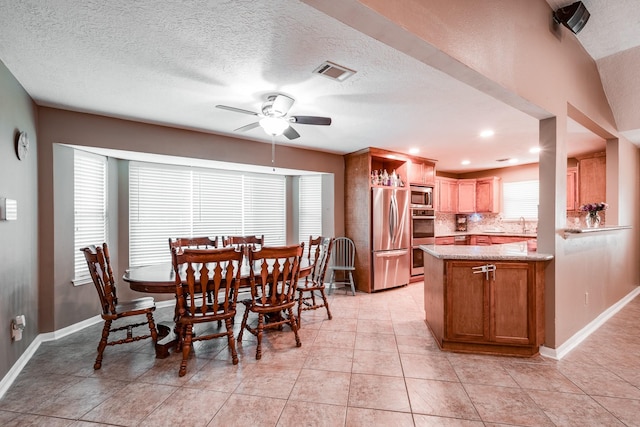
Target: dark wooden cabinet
{"type": "Point", "coordinates": [422, 173]}
{"type": "Point", "coordinates": [445, 240]}
{"type": "Point", "coordinates": [592, 178]}
{"type": "Point", "coordinates": [466, 196]}
{"type": "Point", "coordinates": [446, 195]}
{"type": "Point", "coordinates": [572, 189]}
{"type": "Point", "coordinates": [497, 312]}
{"type": "Point", "coordinates": [488, 195]}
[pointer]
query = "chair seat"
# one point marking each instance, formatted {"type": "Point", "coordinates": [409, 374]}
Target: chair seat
{"type": "Point", "coordinates": [221, 315]}
{"type": "Point", "coordinates": [136, 305]}
{"type": "Point", "coordinates": [257, 307]}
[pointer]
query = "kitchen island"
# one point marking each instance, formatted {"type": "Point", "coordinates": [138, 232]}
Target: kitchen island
{"type": "Point", "coordinates": [485, 299]}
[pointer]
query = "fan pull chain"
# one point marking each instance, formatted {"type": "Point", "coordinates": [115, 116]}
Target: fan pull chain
{"type": "Point", "coordinates": [273, 153]}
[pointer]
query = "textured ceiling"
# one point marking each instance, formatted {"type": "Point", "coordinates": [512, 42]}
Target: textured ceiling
{"type": "Point", "coordinates": [172, 65]}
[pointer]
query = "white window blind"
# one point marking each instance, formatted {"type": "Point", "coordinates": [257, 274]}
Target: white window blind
{"type": "Point", "coordinates": [159, 208]}
{"type": "Point", "coordinates": [309, 207]}
{"type": "Point", "coordinates": [520, 199]}
{"type": "Point", "coordinates": [177, 201]}
{"type": "Point", "coordinates": [264, 209]}
{"type": "Point", "coordinates": [90, 208]}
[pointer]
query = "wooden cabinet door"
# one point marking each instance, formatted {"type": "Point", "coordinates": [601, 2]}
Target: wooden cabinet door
{"type": "Point", "coordinates": [429, 173]}
{"type": "Point", "coordinates": [510, 303]}
{"type": "Point", "coordinates": [572, 189]}
{"type": "Point", "coordinates": [488, 195]}
{"type": "Point", "coordinates": [448, 240]}
{"type": "Point", "coordinates": [415, 173]}
{"type": "Point", "coordinates": [447, 195]}
{"type": "Point", "coordinates": [592, 180]}
{"type": "Point", "coordinates": [466, 195]}
{"type": "Point", "coordinates": [483, 240]}
{"type": "Point", "coordinates": [466, 302]}
{"type": "Point", "coordinates": [422, 173]}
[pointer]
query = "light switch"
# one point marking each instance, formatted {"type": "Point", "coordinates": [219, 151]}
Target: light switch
{"type": "Point", "coordinates": [8, 209]}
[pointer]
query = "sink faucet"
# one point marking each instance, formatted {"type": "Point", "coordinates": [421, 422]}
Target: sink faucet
{"type": "Point", "coordinates": [524, 226]}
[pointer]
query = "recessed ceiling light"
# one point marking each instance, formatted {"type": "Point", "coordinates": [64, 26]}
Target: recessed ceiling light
{"type": "Point", "coordinates": [414, 150]}
{"type": "Point", "coordinates": [466, 162]}
{"type": "Point", "coordinates": [487, 133]}
{"type": "Point", "coordinates": [513, 160]}
{"type": "Point", "coordinates": [535, 150]}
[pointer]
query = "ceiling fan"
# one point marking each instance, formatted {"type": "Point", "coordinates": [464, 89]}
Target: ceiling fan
{"type": "Point", "coordinates": [274, 119]}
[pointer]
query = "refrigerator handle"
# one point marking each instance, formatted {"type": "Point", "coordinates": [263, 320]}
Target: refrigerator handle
{"type": "Point", "coordinates": [393, 217]}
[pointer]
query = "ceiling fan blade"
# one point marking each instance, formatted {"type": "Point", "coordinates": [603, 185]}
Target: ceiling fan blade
{"type": "Point", "coordinates": [236, 110]}
{"type": "Point", "coordinates": [282, 104]}
{"type": "Point", "coordinates": [291, 133]}
{"type": "Point", "coordinates": [311, 120]}
{"type": "Point", "coordinates": [248, 127]}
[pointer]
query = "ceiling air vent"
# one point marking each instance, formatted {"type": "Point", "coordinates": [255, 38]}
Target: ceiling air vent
{"type": "Point", "coordinates": [334, 71]}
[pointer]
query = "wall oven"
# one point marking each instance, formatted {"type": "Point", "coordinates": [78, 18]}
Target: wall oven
{"type": "Point", "coordinates": [422, 233]}
{"type": "Point", "coordinates": [421, 197]}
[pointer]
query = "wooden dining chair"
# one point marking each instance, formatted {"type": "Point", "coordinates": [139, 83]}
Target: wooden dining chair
{"type": "Point", "coordinates": [319, 255]}
{"type": "Point", "coordinates": [273, 280]}
{"type": "Point", "coordinates": [99, 264]}
{"type": "Point", "coordinates": [181, 243]}
{"type": "Point", "coordinates": [207, 282]}
{"type": "Point", "coordinates": [250, 242]}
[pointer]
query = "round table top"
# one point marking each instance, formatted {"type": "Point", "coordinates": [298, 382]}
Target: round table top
{"type": "Point", "coordinates": [161, 279]}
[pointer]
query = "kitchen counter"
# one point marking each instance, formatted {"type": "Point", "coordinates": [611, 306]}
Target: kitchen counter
{"type": "Point", "coordinates": [485, 299]}
{"type": "Point", "coordinates": [487, 233]}
{"type": "Point", "coordinates": [504, 252]}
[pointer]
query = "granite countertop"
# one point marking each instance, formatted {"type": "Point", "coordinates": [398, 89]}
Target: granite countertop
{"type": "Point", "coordinates": [504, 252]}
{"type": "Point", "coordinates": [486, 233]}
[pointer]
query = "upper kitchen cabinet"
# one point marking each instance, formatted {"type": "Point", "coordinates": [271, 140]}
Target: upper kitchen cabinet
{"type": "Point", "coordinates": [422, 173]}
{"type": "Point", "coordinates": [446, 195]}
{"type": "Point", "coordinates": [488, 195]}
{"type": "Point", "coordinates": [592, 178]}
{"type": "Point", "coordinates": [466, 195]}
{"type": "Point", "coordinates": [572, 189]}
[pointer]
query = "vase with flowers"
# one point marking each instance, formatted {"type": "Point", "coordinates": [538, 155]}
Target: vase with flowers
{"type": "Point", "coordinates": [593, 219]}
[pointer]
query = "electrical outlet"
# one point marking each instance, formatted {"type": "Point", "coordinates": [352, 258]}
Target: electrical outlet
{"type": "Point", "coordinates": [586, 298]}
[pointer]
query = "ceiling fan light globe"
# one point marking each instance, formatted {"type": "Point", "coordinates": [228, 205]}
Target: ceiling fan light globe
{"type": "Point", "coordinates": [273, 125]}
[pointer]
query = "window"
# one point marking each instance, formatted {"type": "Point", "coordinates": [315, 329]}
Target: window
{"type": "Point", "coordinates": [90, 208]}
{"type": "Point", "coordinates": [309, 207]}
{"type": "Point", "coordinates": [176, 201]}
{"type": "Point", "coordinates": [521, 199]}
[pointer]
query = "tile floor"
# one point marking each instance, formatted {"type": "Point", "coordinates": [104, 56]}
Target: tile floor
{"type": "Point", "coordinates": [374, 364]}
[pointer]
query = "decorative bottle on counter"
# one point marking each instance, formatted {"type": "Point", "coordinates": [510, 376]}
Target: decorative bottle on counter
{"type": "Point", "coordinates": [385, 177]}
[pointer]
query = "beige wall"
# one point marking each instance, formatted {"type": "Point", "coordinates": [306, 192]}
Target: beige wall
{"type": "Point", "coordinates": [61, 303]}
{"type": "Point", "coordinates": [514, 52]}
{"type": "Point", "coordinates": [18, 239]}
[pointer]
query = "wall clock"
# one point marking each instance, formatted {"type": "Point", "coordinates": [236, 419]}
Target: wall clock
{"type": "Point", "coordinates": [22, 145]}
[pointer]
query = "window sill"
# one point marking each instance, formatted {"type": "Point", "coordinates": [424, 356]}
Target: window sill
{"type": "Point", "coordinates": [82, 281]}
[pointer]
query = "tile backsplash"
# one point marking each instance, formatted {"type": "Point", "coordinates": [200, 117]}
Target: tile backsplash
{"type": "Point", "coordinates": [478, 223]}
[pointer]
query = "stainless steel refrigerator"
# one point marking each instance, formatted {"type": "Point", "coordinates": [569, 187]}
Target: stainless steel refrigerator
{"type": "Point", "coordinates": [391, 237]}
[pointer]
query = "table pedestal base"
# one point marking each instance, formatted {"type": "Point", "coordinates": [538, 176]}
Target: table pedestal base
{"type": "Point", "coordinates": [167, 339]}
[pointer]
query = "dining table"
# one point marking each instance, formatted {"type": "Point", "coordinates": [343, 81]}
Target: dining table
{"type": "Point", "coordinates": [161, 279]}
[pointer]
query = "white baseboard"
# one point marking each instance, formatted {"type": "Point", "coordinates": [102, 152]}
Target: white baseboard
{"type": "Point", "coordinates": [17, 367]}
{"type": "Point", "coordinates": [582, 334]}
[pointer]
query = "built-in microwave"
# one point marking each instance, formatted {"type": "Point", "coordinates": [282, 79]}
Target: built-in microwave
{"type": "Point", "coordinates": [421, 197]}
